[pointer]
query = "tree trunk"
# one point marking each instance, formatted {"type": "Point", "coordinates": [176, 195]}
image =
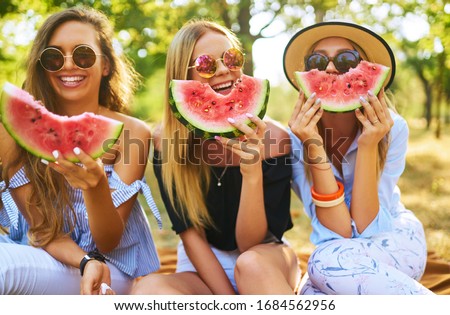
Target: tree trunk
{"type": "Point", "coordinates": [438, 115]}
{"type": "Point", "coordinates": [245, 36]}
{"type": "Point", "coordinates": [428, 103]}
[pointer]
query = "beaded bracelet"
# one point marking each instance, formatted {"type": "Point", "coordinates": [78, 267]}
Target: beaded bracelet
{"type": "Point", "coordinates": [328, 197]}
{"type": "Point", "coordinates": [328, 204]}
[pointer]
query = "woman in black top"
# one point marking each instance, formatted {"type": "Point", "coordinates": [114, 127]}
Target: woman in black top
{"type": "Point", "coordinates": [227, 199]}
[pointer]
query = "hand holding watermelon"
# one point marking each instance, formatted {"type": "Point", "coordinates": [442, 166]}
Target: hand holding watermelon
{"type": "Point", "coordinates": [376, 120]}
{"type": "Point", "coordinates": [250, 147]}
{"type": "Point", "coordinates": [305, 117]}
{"type": "Point", "coordinates": [83, 177]}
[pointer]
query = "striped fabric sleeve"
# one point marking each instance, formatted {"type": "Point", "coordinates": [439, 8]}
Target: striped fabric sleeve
{"type": "Point", "coordinates": [5, 211]}
{"type": "Point", "coordinates": [124, 192]}
{"type": "Point", "coordinates": [10, 217]}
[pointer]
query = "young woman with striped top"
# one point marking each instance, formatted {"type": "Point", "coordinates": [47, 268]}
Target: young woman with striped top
{"type": "Point", "coordinates": [62, 218]}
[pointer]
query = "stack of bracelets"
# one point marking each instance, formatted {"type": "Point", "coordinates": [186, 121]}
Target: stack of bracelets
{"type": "Point", "coordinates": [330, 200]}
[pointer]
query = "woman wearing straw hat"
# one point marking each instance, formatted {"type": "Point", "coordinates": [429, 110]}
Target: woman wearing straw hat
{"type": "Point", "coordinates": [367, 241]}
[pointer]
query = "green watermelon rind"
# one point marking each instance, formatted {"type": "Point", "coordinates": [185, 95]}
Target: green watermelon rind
{"type": "Point", "coordinates": [338, 108]}
{"type": "Point", "coordinates": [8, 92]}
{"type": "Point", "coordinates": [231, 132]}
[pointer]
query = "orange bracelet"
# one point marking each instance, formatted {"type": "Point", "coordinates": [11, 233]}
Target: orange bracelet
{"type": "Point", "coordinates": [329, 197]}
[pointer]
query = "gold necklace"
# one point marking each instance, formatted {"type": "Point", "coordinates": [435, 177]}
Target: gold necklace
{"type": "Point", "coordinates": [219, 178]}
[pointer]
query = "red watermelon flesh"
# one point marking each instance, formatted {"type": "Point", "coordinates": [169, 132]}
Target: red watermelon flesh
{"type": "Point", "coordinates": [201, 109]}
{"type": "Point", "coordinates": [341, 92]}
{"type": "Point", "coordinates": [40, 131]}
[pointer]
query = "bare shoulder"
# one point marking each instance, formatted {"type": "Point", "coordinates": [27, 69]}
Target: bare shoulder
{"type": "Point", "coordinates": [157, 136]}
{"type": "Point", "coordinates": [133, 126]}
{"type": "Point", "coordinates": [7, 144]}
{"type": "Point", "coordinates": [277, 138]}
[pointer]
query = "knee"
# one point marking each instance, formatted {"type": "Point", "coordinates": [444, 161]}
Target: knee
{"type": "Point", "coordinates": [251, 264]}
{"type": "Point", "coordinates": [150, 284]}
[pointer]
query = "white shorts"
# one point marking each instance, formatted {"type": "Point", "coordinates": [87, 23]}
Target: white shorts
{"type": "Point", "coordinates": [226, 258]}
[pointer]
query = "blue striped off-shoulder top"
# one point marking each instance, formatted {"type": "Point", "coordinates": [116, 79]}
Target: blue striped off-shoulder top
{"type": "Point", "coordinates": [136, 253]}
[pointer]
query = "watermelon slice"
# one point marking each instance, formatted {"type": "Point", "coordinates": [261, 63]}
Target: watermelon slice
{"type": "Point", "coordinates": [41, 132]}
{"type": "Point", "coordinates": [197, 106]}
{"type": "Point", "coordinates": [340, 93]}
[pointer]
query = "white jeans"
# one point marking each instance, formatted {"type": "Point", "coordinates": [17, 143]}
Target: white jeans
{"type": "Point", "coordinates": [28, 270]}
{"type": "Point", "coordinates": [387, 263]}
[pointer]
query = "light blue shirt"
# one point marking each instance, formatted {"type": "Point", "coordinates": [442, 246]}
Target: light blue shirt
{"type": "Point", "coordinates": [388, 191]}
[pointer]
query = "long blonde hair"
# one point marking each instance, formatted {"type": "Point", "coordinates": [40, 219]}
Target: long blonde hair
{"type": "Point", "coordinates": [186, 178]}
{"type": "Point", "coordinates": [383, 145]}
{"type": "Point", "coordinates": [50, 194]}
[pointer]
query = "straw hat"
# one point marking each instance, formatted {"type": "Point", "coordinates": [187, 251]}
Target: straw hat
{"type": "Point", "coordinates": [375, 48]}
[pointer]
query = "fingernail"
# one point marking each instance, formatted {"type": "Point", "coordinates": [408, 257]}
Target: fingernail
{"type": "Point", "coordinates": [318, 101]}
{"type": "Point", "coordinates": [44, 161]}
{"type": "Point", "coordinates": [76, 150]}
{"type": "Point", "coordinates": [217, 137]}
{"type": "Point", "coordinates": [104, 287]}
{"type": "Point", "coordinates": [249, 115]}
{"type": "Point", "coordinates": [312, 95]}
{"type": "Point", "coordinates": [55, 154]}
{"type": "Point", "coordinates": [370, 93]}
{"type": "Point", "coordinates": [231, 120]}
{"type": "Point", "coordinates": [362, 99]}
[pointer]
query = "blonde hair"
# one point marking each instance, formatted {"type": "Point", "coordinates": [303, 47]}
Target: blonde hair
{"type": "Point", "coordinates": [383, 145]}
{"type": "Point", "coordinates": [186, 178]}
{"type": "Point", "coordinates": [50, 194]}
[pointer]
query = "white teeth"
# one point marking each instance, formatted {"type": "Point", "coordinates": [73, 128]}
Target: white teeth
{"type": "Point", "coordinates": [222, 86]}
{"type": "Point", "coordinates": [71, 79]}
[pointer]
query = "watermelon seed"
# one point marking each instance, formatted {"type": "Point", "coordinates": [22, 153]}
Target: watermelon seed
{"type": "Point", "coordinates": [349, 86]}
{"type": "Point", "coordinates": [213, 102]}
{"type": "Point", "coordinates": [240, 90]}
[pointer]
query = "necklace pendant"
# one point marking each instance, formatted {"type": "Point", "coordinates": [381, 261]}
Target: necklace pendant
{"type": "Point", "coordinates": [219, 184]}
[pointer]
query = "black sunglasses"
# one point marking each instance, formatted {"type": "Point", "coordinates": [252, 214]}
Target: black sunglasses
{"type": "Point", "coordinates": [343, 61]}
{"type": "Point", "coordinates": [52, 59]}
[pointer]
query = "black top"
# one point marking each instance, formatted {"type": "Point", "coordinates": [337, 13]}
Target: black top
{"type": "Point", "coordinates": [223, 202]}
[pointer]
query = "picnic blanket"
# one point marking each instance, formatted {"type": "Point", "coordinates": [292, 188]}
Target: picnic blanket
{"type": "Point", "coordinates": [436, 276]}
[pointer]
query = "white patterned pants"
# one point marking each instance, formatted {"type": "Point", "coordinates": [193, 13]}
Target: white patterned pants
{"type": "Point", "coordinates": [387, 263]}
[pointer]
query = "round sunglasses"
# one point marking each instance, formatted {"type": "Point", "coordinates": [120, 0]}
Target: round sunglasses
{"type": "Point", "coordinates": [52, 59]}
{"type": "Point", "coordinates": [206, 65]}
{"type": "Point", "coordinates": [343, 61]}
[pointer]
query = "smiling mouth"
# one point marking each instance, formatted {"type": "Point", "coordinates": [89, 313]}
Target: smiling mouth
{"type": "Point", "coordinates": [71, 80]}
{"type": "Point", "coordinates": [223, 88]}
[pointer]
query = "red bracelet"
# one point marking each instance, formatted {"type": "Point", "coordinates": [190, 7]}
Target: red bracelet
{"type": "Point", "coordinates": [329, 197]}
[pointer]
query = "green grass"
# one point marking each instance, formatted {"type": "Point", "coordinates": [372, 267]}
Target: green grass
{"type": "Point", "coordinates": [425, 187]}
